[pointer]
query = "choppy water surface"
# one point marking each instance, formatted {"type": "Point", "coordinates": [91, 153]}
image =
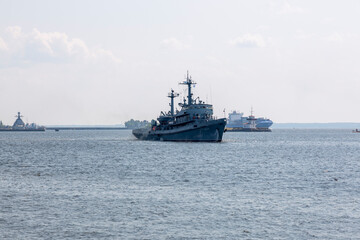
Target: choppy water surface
{"type": "Point", "coordinates": [288, 184]}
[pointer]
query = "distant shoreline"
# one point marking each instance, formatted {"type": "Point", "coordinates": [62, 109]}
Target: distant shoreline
{"type": "Point", "coordinates": [87, 128]}
{"type": "Point", "coordinates": [316, 125]}
{"type": "Point", "coordinates": [336, 125]}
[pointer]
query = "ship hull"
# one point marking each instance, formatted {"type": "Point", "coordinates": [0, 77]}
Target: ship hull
{"type": "Point", "coordinates": [242, 124]}
{"type": "Point", "coordinates": [264, 124]}
{"type": "Point", "coordinates": [209, 132]}
{"type": "Point", "coordinates": [248, 129]}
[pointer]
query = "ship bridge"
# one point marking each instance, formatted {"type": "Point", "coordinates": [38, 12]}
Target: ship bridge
{"type": "Point", "coordinates": [196, 111]}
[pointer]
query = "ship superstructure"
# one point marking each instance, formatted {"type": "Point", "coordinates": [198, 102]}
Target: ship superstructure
{"type": "Point", "coordinates": [19, 123]}
{"type": "Point", "coordinates": [194, 122]}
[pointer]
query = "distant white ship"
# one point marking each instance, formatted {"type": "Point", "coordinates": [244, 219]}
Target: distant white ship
{"type": "Point", "coordinates": [238, 123]}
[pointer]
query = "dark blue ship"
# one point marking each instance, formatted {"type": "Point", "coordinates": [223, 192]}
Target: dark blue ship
{"type": "Point", "coordinates": [194, 123]}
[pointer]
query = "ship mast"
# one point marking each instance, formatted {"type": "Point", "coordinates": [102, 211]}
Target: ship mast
{"type": "Point", "coordinates": [172, 95]}
{"type": "Point", "coordinates": [189, 82]}
{"type": "Point", "coordinates": [18, 116]}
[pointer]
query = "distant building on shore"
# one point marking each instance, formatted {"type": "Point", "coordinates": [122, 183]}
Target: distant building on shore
{"type": "Point", "coordinates": [132, 124]}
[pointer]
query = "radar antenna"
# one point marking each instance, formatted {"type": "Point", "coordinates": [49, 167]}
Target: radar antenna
{"type": "Point", "coordinates": [188, 82]}
{"type": "Point", "coordinates": [18, 116]}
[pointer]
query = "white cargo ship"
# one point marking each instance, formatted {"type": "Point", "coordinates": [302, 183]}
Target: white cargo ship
{"type": "Point", "coordinates": [238, 123]}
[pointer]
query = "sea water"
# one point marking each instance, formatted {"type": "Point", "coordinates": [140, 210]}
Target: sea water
{"type": "Point", "coordinates": [287, 184]}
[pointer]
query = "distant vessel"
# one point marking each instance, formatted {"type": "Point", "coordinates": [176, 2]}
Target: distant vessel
{"type": "Point", "coordinates": [238, 123]}
{"type": "Point", "coordinates": [19, 125]}
{"type": "Point", "coordinates": [195, 121]}
{"type": "Point", "coordinates": [356, 131]}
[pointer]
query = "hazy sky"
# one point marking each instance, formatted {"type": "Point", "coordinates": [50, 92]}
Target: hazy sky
{"type": "Point", "coordinates": [104, 62]}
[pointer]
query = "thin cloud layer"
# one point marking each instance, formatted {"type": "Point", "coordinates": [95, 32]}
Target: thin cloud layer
{"type": "Point", "coordinates": [19, 48]}
{"type": "Point", "coordinates": [287, 8]}
{"type": "Point", "coordinates": [3, 46]}
{"type": "Point", "coordinates": [173, 43]}
{"type": "Point", "coordinates": [335, 37]}
{"type": "Point", "coordinates": [248, 41]}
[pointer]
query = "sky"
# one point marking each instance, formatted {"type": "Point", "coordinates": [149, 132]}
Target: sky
{"type": "Point", "coordinates": [105, 62]}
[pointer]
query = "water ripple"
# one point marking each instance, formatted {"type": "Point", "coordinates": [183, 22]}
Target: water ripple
{"type": "Point", "coordinates": [288, 184]}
